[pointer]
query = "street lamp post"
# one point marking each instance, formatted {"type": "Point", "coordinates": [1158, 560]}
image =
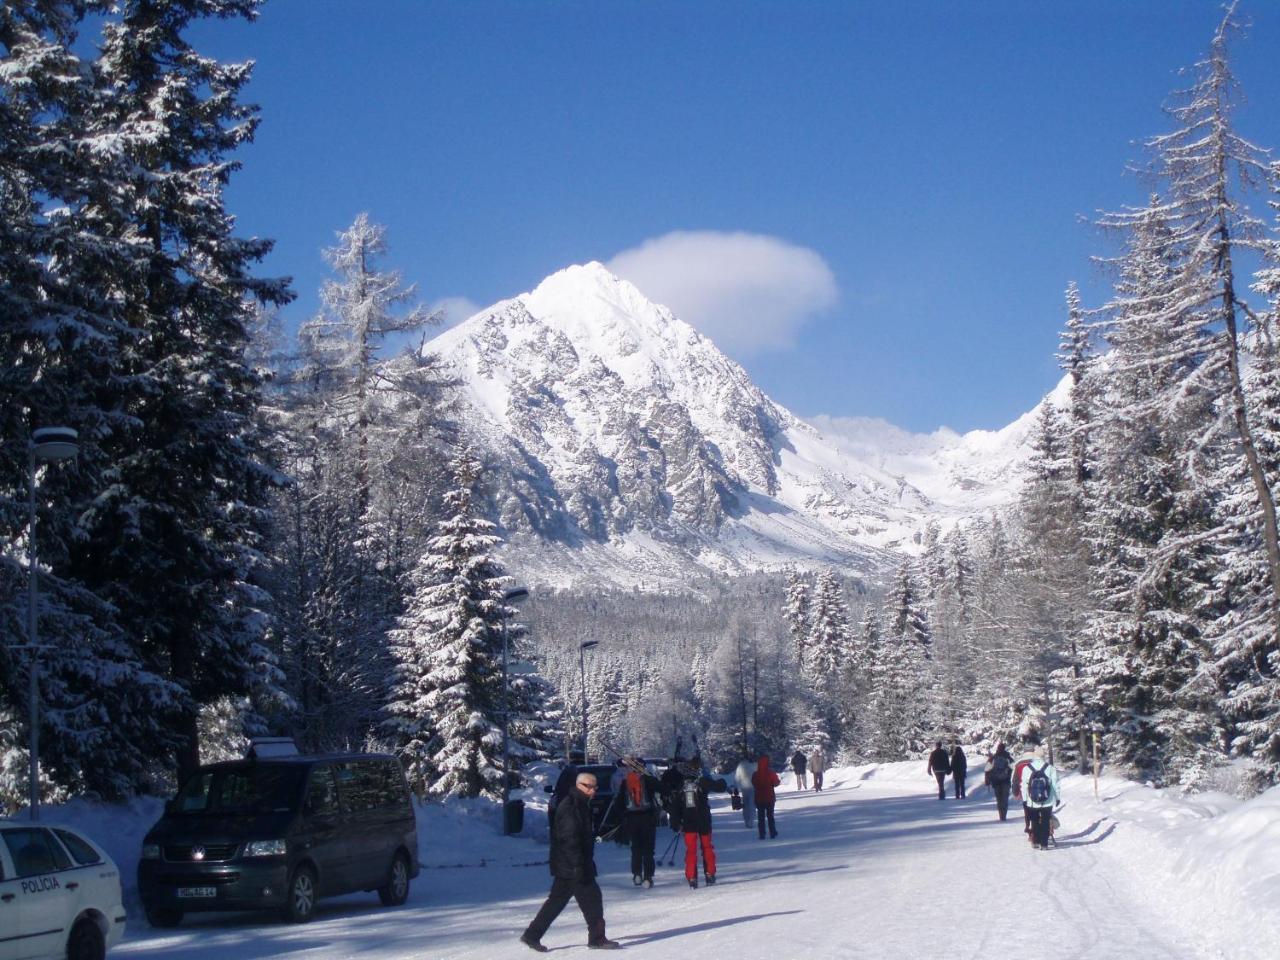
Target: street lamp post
{"type": "Point", "coordinates": [47, 444]}
{"type": "Point", "coordinates": [511, 596]}
{"type": "Point", "coordinates": [584, 646]}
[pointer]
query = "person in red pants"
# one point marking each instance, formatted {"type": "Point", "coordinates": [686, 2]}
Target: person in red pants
{"type": "Point", "coordinates": [691, 815]}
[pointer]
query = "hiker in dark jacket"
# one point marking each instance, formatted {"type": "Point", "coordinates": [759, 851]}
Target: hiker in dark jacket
{"type": "Point", "coordinates": [939, 766]}
{"type": "Point", "coordinates": [765, 780]}
{"type": "Point", "coordinates": [640, 790]}
{"type": "Point", "coordinates": [959, 768]}
{"type": "Point", "coordinates": [573, 869]}
{"type": "Point", "coordinates": [1001, 778]}
{"type": "Point", "coordinates": [691, 815]}
{"type": "Point", "coordinates": [799, 762]}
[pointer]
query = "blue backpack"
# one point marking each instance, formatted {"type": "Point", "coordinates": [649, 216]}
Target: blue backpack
{"type": "Point", "coordinates": [1038, 789]}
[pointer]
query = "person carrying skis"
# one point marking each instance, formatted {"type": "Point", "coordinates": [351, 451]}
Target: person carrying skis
{"type": "Point", "coordinates": [1000, 776]}
{"type": "Point", "coordinates": [573, 870]}
{"type": "Point", "coordinates": [817, 766]}
{"type": "Point", "coordinates": [640, 791]}
{"type": "Point", "coordinates": [798, 764]}
{"type": "Point", "coordinates": [742, 777]}
{"type": "Point", "coordinates": [1040, 793]}
{"type": "Point", "coordinates": [691, 815]}
{"type": "Point", "coordinates": [959, 768]}
{"type": "Point", "coordinates": [939, 767]}
{"type": "Point", "coordinates": [764, 780]}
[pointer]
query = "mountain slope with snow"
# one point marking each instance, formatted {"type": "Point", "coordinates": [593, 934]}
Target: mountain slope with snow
{"type": "Point", "coordinates": [625, 447]}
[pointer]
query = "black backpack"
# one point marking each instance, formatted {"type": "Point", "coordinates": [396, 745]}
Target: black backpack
{"type": "Point", "coordinates": [1001, 769]}
{"type": "Point", "coordinates": [1038, 786]}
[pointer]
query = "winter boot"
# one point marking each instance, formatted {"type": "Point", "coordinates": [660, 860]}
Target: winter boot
{"type": "Point", "coordinates": [693, 882]}
{"type": "Point", "coordinates": [605, 944]}
{"type": "Point", "coordinates": [649, 882]}
{"type": "Point", "coordinates": [534, 945]}
{"type": "Point", "coordinates": [637, 879]}
{"type": "Point", "coordinates": [711, 879]}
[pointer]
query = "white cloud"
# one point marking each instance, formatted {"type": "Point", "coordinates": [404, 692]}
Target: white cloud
{"type": "Point", "coordinates": [454, 310]}
{"type": "Point", "coordinates": [748, 292]}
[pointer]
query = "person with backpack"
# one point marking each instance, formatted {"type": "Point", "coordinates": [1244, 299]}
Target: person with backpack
{"type": "Point", "coordinates": [691, 815]}
{"type": "Point", "coordinates": [1000, 777]}
{"type": "Point", "coordinates": [817, 766]}
{"type": "Point", "coordinates": [1040, 790]}
{"type": "Point", "coordinates": [798, 764]}
{"type": "Point", "coordinates": [742, 777]}
{"type": "Point", "coordinates": [939, 767]}
{"type": "Point", "coordinates": [1018, 767]}
{"type": "Point", "coordinates": [765, 780]}
{"type": "Point", "coordinates": [959, 767]}
{"type": "Point", "coordinates": [640, 791]}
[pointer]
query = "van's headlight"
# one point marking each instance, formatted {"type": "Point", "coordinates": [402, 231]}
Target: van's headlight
{"type": "Point", "coordinates": [264, 848]}
{"type": "Point", "coordinates": [151, 851]}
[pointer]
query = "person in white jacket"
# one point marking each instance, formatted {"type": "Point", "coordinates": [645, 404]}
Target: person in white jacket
{"type": "Point", "coordinates": [1040, 794]}
{"type": "Point", "coordinates": [742, 777]}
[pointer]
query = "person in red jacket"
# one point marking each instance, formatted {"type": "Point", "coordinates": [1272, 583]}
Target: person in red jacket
{"type": "Point", "coordinates": [764, 780]}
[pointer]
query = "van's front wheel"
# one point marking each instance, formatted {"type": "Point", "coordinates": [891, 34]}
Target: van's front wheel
{"type": "Point", "coordinates": [396, 890]}
{"type": "Point", "coordinates": [300, 902]}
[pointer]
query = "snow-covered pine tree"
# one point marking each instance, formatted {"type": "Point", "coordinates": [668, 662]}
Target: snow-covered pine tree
{"type": "Point", "coordinates": [445, 701]}
{"type": "Point", "coordinates": [906, 614]}
{"type": "Point", "coordinates": [796, 611]}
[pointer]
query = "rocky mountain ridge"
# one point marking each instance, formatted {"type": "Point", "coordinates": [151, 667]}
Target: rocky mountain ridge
{"type": "Point", "coordinates": [625, 447]}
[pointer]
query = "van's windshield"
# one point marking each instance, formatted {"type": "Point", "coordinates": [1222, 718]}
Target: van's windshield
{"type": "Point", "coordinates": [253, 788]}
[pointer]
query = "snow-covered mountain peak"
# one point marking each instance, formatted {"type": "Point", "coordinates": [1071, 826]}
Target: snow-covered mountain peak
{"type": "Point", "coordinates": [626, 446]}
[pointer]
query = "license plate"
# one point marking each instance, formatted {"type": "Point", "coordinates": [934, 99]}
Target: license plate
{"type": "Point", "coordinates": [196, 892]}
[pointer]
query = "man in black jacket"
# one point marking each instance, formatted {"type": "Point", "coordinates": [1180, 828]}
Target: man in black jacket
{"type": "Point", "coordinates": [573, 868]}
{"type": "Point", "coordinates": [939, 767]}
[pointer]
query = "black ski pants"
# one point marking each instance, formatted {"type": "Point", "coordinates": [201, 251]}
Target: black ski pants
{"type": "Point", "coordinates": [590, 902]}
{"type": "Point", "coordinates": [1040, 825]}
{"type": "Point", "coordinates": [1002, 798]}
{"type": "Point", "coordinates": [765, 811]}
{"type": "Point", "coordinates": [958, 779]}
{"type": "Point", "coordinates": [642, 828]}
{"type": "Point", "coordinates": [942, 779]}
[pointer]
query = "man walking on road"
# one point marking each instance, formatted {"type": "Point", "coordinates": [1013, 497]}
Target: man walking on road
{"type": "Point", "coordinates": [742, 777]}
{"type": "Point", "coordinates": [940, 766]}
{"type": "Point", "coordinates": [959, 769]}
{"type": "Point", "coordinates": [573, 868]}
{"type": "Point", "coordinates": [798, 764]}
{"type": "Point", "coordinates": [764, 780]}
{"type": "Point", "coordinates": [1000, 777]}
{"type": "Point", "coordinates": [817, 766]}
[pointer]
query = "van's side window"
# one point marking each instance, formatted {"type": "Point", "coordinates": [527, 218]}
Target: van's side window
{"type": "Point", "coordinates": [322, 793]}
{"type": "Point", "coordinates": [363, 785]}
{"type": "Point", "coordinates": [393, 784]}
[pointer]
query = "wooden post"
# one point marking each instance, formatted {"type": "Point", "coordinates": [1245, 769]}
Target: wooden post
{"type": "Point", "coordinates": [1095, 765]}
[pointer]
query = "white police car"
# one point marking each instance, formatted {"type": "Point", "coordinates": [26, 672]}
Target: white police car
{"type": "Point", "coordinates": [59, 894]}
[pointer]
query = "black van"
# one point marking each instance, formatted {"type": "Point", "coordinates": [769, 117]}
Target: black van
{"type": "Point", "coordinates": [279, 833]}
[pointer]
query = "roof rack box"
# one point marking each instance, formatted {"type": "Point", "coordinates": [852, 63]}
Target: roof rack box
{"type": "Point", "coordinates": [261, 748]}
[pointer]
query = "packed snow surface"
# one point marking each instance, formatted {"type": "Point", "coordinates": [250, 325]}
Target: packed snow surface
{"type": "Point", "coordinates": [875, 866]}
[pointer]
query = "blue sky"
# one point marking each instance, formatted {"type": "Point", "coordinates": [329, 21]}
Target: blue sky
{"type": "Point", "coordinates": [900, 185]}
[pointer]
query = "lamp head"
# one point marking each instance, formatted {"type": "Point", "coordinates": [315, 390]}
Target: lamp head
{"type": "Point", "coordinates": [588, 644]}
{"type": "Point", "coordinates": [515, 594]}
{"type": "Point", "coordinates": [54, 443]}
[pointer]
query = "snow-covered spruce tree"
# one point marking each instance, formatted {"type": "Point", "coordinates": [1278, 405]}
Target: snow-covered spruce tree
{"type": "Point", "coordinates": [124, 242]}
{"type": "Point", "coordinates": [1151, 521]}
{"type": "Point", "coordinates": [906, 613]}
{"type": "Point", "coordinates": [796, 611]}
{"type": "Point", "coordinates": [445, 701]}
{"type": "Point", "coordinates": [829, 657]}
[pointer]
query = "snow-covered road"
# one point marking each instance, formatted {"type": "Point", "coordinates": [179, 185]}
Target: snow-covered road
{"type": "Point", "coordinates": [875, 868]}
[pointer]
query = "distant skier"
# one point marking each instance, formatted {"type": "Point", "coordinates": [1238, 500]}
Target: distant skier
{"type": "Point", "coordinates": [742, 777]}
{"type": "Point", "coordinates": [691, 815]}
{"type": "Point", "coordinates": [959, 769]}
{"type": "Point", "coordinates": [798, 764]}
{"type": "Point", "coordinates": [573, 869]}
{"type": "Point", "coordinates": [1000, 776]}
{"type": "Point", "coordinates": [817, 766]}
{"type": "Point", "coordinates": [765, 780]}
{"type": "Point", "coordinates": [939, 767]}
{"type": "Point", "coordinates": [1040, 789]}
{"type": "Point", "coordinates": [640, 791]}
